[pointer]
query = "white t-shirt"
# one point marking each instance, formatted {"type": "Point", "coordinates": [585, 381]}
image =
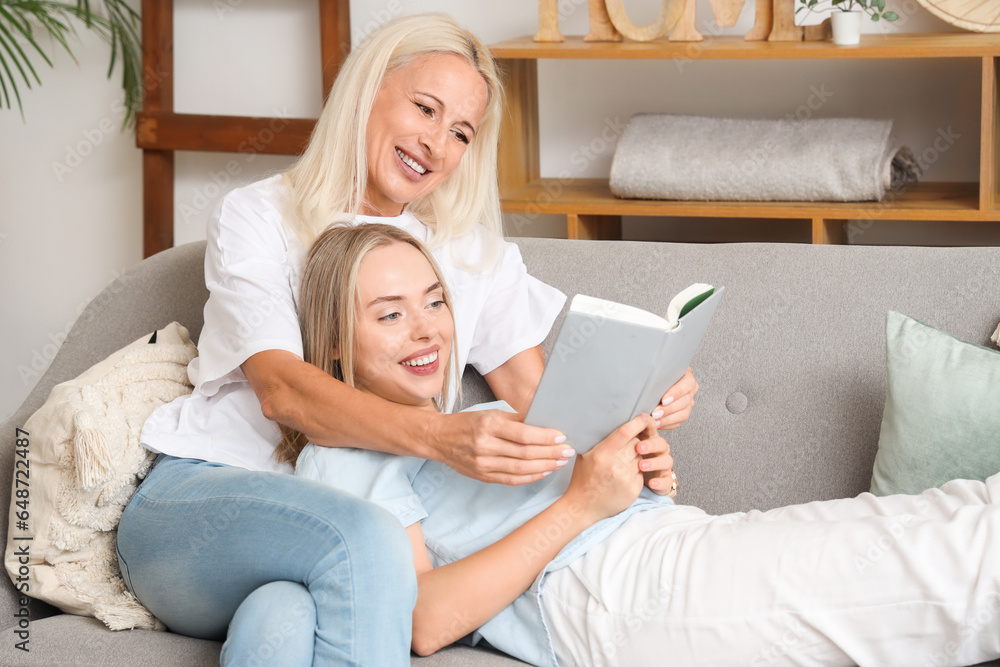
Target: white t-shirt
{"type": "Point", "coordinates": [252, 269]}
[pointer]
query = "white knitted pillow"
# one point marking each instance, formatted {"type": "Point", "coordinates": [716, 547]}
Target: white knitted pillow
{"type": "Point", "coordinates": [77, 464]}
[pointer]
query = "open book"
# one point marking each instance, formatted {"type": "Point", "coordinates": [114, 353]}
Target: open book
{"type": "Point", "coordinates": [611, 362]}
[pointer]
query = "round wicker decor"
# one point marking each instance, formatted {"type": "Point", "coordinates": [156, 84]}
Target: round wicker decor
{"type": "Point", "coordinates": [978, 15]}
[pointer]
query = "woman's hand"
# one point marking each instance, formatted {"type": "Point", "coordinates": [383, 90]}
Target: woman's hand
{"type": "Point", "coordinates": [674, 409]}
{"type": "Point", "coordinates": [657, 464]}
{"type": "Point", "coordinates": [677, 403]}
{"type": "Point", "coordinates": [607, 479]}
{"type": "Point", "coordinates": [494, 446]}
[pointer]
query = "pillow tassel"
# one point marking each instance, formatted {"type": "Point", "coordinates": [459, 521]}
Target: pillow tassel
{"type": "Point", "coordinates": [92, 451]}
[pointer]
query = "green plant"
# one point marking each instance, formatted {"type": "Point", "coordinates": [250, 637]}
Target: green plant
{"type": "Point", "coordinates": [24, 22]}
{"type": "Point", "coordinates": [874, 8]}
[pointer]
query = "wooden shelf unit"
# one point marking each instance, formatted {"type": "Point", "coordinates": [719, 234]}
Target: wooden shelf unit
{"type": "Point", "coordinates": [593, 212]}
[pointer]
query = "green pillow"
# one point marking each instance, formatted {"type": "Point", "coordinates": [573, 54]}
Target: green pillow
{"type": "Point", "coordinates": [942, 410]}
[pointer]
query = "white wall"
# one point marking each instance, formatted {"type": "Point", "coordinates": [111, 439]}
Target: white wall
{"type": "Point", "coordinates": [70, 182]}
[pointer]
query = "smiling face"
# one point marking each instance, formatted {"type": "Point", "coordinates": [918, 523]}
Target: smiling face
{"type": "Point", "coordinates": [404, 329]}
{"type": "Point", "coordinates": [423, 119]}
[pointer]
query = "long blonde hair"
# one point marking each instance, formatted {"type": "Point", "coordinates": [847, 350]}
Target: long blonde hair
{"type": "Point", "coordinates": [328, 182]}
{"type": "Point", "coordinates": [328, 304]}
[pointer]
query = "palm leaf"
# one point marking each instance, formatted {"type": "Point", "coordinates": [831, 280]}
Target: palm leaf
{"type": "Point", "coordinates": [117, 23]}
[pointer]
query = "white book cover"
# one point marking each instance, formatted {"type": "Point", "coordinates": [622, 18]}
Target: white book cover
{"type": "Point", "coordinates": [611, 362]}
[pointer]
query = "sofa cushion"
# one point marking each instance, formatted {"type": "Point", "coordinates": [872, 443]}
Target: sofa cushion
{"type": "Point", "coordinates": [66, 639]}
{"type": "Point", "coordinates": [77, 463]}
{"type": "Point", "coordinates": [942, 410]}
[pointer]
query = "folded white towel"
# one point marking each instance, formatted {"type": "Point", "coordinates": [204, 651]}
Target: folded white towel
{"type": "Point", "coordinates": [663, 156]}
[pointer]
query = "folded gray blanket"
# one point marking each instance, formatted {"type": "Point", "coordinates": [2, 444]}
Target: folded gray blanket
{"type": "Point", "coordinates": [662, 156]}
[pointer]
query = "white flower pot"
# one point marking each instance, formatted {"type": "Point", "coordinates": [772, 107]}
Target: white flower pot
{"type": "Point", "coordinates": [846, 27]}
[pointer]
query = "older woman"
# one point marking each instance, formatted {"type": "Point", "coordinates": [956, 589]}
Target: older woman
{"type": "Point", "coordinates": [219, 540]}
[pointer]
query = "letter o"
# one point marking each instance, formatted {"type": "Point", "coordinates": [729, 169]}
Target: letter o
{"type": "Point", "coordinates": [670, 13]}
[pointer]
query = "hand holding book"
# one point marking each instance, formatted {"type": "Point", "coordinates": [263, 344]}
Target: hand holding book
{"type": "Point", "coordinates": [611, 362]}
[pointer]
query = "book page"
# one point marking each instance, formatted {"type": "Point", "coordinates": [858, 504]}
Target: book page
{"type": "Point", "coordinates": [589, 305]}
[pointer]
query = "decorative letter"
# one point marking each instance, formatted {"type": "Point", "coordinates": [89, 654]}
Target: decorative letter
{"type": "Point", "coordinates": [670, 13]}
{"type": "Point", "coordinates": [548, 22]}
{"type": "Point", "coordinates": [601, 29]}
{"type": "Point", "coordinates": [685, 31]}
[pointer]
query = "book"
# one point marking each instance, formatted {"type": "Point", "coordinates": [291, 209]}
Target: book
{"type": "Point", "coordinates": [611, 362]}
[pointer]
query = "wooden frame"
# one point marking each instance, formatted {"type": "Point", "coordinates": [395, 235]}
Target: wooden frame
{"type": "Point", "coordinates": [160, 131]}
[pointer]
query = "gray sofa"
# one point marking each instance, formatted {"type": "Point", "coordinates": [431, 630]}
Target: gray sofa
{"type": "Point", "coordinates": [792, 378]}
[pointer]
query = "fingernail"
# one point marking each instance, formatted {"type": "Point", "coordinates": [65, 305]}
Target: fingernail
{"type": "Point", "coordinates": [560, 464]}
{"type": "Point", "coordinates": [657, 413]}
{"type": "Point", "coordinates": [657, 423]}
{"type": "Point", "coordinates": [643, 447]}
{"type": "Point", "coordinates": [668, 400]}
{"type": "Point", "coordinates": [560, 439]}
{"type": "Point", "coordinates": [567, 453]}
{"type": "Point", "coordinates": [546, 474]}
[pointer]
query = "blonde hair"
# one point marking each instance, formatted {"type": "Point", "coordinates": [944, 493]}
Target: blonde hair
{"type": "Point", "coordinates": [330, 179]}
{"type": "Point", "coordinates": [328, 305]}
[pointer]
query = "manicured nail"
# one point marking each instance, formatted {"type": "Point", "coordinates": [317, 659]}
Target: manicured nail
{"type": "Point", "coordinates": [643, 447]}
{"type": "Point", "coordinates": [667, 401]}
{"type": "Point", "coordinates": [560, 439]}
{"type": "Point", "coordinates": [560, 464]}
{"type": "Point", "coordinates": [546, 474]}
{"type": "Point", "coordinates": [658, 423]}
{"type": "Point", "coordinates": [657, 413]}
{"type": "Point", "coordinates": [568, 453]}
{"type": "Point", "coordinates": [645, 465]}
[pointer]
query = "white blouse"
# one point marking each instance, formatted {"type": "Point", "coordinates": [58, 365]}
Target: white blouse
{"type": "Point", "coordinates": [253, 267]}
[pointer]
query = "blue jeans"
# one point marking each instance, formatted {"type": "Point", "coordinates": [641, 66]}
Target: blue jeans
{"type": "Point", "coordinates": [297, 572]}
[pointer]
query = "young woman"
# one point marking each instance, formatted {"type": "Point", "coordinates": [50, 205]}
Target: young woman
{"type": "Point", "coordinates": [220, 541]}
{"type": "Point", "coordinates": [580, 569]}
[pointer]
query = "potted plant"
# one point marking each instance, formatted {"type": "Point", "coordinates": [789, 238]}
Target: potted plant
{"type": "Point", "coordinates": [24, 22]}
{"type": "Point", "coordinates": [846, 16]}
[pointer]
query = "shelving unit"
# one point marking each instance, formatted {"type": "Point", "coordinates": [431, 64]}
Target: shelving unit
{"type": "Point", "coordinates": [592, 212]}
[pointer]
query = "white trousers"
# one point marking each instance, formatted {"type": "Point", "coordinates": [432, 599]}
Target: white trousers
{"type": "Point", "coordinates": [912, 581]}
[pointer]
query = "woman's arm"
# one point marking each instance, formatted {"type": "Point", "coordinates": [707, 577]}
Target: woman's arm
{"type": "Point", "coordinates": [516, 380]}
{"type": "Point", "coordinates": [490, 446]}
{"type": "Point", "coordinates": [457, 598]}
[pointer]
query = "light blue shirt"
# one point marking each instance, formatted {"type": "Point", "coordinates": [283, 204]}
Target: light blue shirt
{"type": "Point", "coordinates": [462, 516]}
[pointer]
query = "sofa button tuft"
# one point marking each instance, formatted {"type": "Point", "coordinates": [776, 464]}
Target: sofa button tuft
{"type": "Point", "coordinates": [736, 402]}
